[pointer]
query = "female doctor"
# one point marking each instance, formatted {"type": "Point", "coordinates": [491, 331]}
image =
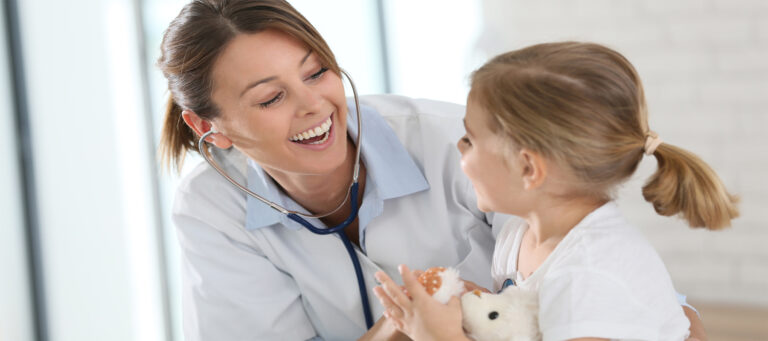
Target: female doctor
{"type": "Point", "coordinates": [257, 82]}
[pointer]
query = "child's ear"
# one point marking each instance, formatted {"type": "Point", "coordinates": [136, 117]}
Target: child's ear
{"type": "Point", "coordinates": [534, 168]}
{"type": "Point", "coordinates": [202, 126]}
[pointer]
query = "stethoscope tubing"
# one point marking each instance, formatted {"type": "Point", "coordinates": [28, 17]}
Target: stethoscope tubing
{"type": "Point", "coordinates": [339, 229]}
{"type": "Point", "coordinates": [298, 217]}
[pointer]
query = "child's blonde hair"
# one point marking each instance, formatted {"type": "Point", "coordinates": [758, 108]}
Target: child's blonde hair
{"type": "Point", "coordinates": [582, 105]}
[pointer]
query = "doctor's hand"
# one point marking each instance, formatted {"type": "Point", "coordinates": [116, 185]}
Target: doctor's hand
{"type": "Point", "coordinates": [697, 327]}
{"type": "Point", "coordinates": [384, 330]}
{"type": "Point", "coordinates": [420, 317]}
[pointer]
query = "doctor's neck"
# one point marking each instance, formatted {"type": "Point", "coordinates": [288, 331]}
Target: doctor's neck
{"type": "Point", "coordinates": [321, 193]}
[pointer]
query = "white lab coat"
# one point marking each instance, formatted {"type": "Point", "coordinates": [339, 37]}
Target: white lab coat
{"type": "Point", "coordinates": [276, 282]}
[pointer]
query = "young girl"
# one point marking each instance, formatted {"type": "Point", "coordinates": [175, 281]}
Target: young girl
{"type": "Point", "coordinates": [552, 129]}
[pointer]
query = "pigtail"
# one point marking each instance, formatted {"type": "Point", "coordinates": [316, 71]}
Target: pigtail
{"type": "Point", "coordinates": [685, 185]}
{"type": "Point", "coordinates": [176, 139]}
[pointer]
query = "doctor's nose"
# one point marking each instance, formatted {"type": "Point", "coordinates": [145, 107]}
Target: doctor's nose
{"type": "Point", "coordinates": [310, 101]}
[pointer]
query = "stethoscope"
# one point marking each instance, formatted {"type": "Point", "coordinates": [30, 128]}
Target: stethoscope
{"type": "Point", "coordinates": [297, 216]}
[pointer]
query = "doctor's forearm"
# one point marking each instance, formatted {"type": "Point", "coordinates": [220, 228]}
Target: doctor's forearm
{"type": "Point", "coordinates": [697, 327]}
{"type": "Point", "coordinates": [383, 330]}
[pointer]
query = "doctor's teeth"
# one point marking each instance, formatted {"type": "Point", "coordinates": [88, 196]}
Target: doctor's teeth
{"type": "Point", "coordinates": [313, 132]}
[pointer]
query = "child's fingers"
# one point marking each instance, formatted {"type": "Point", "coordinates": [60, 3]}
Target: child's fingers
{"type": "Point", "coordinates": [411, 283]}
{"type": "Point", "coordinates": [393, 291]}
{"type": "Point", "coordinates": [396, 322]}
{"type": "Point", "coordinates": [454, 302]}
{"type": "Point", "coordinates": [386, 302]}
{"type": "Point", "coordinates": [390, 308]}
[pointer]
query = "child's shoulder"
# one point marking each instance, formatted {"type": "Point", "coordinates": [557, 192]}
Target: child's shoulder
{"type": "Point", "coordinates": [604, 242]}
{"type": "Point", "coordinates": [607, 270]}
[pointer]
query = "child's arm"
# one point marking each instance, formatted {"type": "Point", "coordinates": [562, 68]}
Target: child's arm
{"type": "Point", "coordinates": [697, 329]}
{"type": "Point", "coordinates": [420, 317]}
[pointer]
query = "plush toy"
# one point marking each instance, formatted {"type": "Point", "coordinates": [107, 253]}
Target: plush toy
{"type": "Point", "coordinates": [511, 315]}
{"type": "Point", "coordinates": [508, 316]}
{"type": "Point", "coordinates": [442, 283]}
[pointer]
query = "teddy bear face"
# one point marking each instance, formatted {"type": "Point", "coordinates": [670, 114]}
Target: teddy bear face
{"type": "Point", "coordinates": [511, 315]}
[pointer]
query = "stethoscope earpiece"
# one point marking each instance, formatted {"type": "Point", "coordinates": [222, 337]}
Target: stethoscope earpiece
{"type": "Point", "coordinates": [206, 135]}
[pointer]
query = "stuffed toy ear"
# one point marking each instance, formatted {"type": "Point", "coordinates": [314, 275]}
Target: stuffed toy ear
{"type": "Point", "coordinates": [442, 283]}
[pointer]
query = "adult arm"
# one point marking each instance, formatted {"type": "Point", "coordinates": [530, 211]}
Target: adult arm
{"type": "Point", "coordinates": [384, 330]}
{"type": "Point", "coordinates": [697, 327]}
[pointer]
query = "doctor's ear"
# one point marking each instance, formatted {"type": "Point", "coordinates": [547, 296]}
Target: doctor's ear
{"type": "Point", "coordinates": [533, 167]}
{"type": "Point", "coordinates": [201, 126]}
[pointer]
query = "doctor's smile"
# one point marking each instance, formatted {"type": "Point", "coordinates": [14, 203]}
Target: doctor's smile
{"type": "Point", "coordinates": [312, 135]}
{"type": "Point", "coordinates": [318, 138]}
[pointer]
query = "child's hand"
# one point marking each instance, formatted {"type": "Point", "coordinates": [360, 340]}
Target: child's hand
{"type": "Point", "coordinates": [422, 317]}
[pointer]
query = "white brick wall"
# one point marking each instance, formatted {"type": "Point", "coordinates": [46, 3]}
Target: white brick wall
{"type": "Point", "coordinates": [705, 69]}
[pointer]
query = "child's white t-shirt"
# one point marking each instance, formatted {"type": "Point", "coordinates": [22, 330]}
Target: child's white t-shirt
{"type": "Point", "coordinates": [602, 280]}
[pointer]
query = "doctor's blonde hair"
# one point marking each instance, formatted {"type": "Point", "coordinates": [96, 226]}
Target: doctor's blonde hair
{"type": "Point", "coordinates": [582, 105]}
{"type": "Point", "coordinates": [191, 45]}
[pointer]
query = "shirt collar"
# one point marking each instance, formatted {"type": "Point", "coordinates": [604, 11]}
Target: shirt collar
{"type": "Point", "coordinates": [390, 170]}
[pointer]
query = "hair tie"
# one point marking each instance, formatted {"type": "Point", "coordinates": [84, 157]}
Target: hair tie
{"type": "Point", "coordinates": [652, 141]}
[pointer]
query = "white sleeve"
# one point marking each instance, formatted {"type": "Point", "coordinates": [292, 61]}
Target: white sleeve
{"type": "Point", "coordinates": [585, 303]}
{"type": "Point", "coordinates": [230, 291]}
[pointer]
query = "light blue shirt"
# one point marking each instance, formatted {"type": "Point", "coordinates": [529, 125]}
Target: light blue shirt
{"type": "Point", "coordinates": [390, 173]}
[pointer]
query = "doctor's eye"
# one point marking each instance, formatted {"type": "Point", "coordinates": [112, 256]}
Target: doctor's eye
{"type": "Point", "coordinates": [271, 101]}
{"type": "Point", "coordinates": [317, 74]}
{"type": "Point", "coordinates": [493, 315]}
